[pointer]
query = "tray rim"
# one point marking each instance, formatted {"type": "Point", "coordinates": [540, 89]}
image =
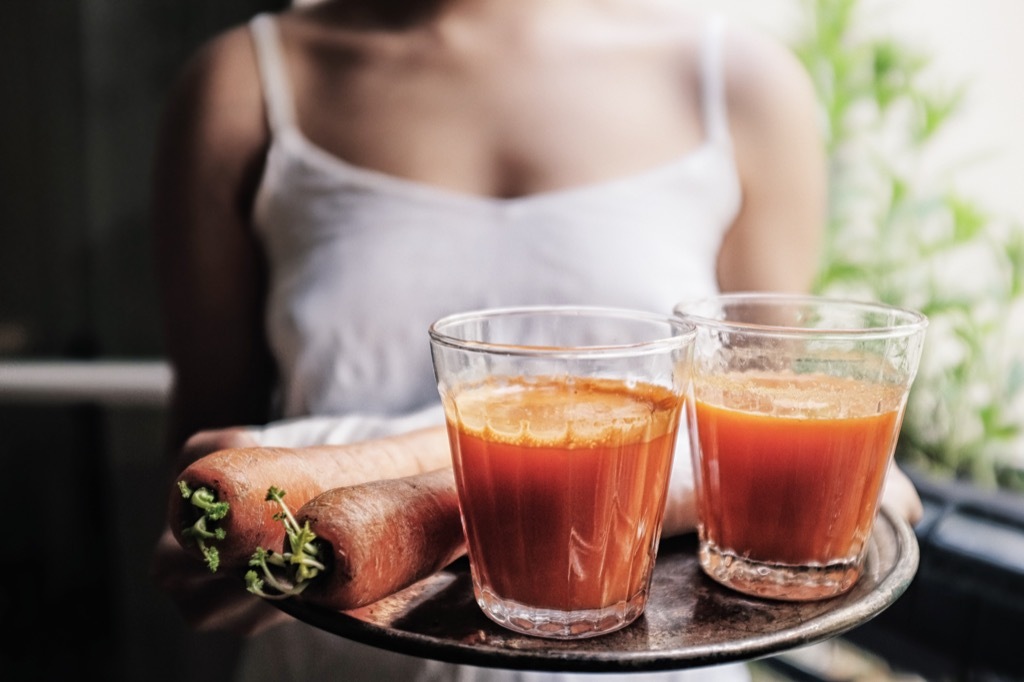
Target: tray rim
{"type": "Point", "coordinates": [581, 658]}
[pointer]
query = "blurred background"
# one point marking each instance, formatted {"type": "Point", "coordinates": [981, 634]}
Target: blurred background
{"type": "Point", "coordinates": [922, 103]}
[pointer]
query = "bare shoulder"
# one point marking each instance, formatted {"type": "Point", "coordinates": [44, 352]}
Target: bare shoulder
{"type": "Point", "coordinates": [217, 101]}
{"type": "Point", "coordinates": [663, 20]}
{"type": "Point", "coordinates": [764, 80]}
{"type": "Point", "coordinates": [776, 127]}
{"type": "Point", "coordinates": [765, 84]}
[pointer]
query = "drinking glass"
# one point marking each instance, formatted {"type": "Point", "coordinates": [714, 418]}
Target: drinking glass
{"type": "Point", "coordinates": [796, 408]}
{"type": "Point", "coordinates": [562, 423]}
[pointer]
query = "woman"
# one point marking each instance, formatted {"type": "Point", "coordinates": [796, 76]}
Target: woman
{"type": "Point", "coordinates": [332, 179]}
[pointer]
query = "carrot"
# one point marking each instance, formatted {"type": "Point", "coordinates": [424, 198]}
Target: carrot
{"type": "Point", "coordinates": [219, 500]}
{"type": "Point", "coordinates": [352, 546]}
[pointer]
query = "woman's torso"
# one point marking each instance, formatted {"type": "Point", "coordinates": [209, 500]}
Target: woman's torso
{"type": "Point", "coordinates": [365, 250]}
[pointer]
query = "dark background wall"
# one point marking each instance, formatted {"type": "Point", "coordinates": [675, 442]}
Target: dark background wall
{"type": "Point", "coordinates": [83, 83]}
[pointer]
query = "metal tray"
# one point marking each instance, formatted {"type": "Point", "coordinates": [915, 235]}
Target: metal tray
{"type": "Point", "coordinates": [690, 621]}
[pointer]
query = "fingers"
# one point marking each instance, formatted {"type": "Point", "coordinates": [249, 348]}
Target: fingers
{"type": "Point", "coordinates": [205, 442]}
{"type": "Point", "coordinates": [901, 496]}
{"type": "Point", "coordinates": [208, 601]}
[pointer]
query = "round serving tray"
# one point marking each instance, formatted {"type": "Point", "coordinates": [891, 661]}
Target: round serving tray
{"type": "Point", "coordinates": [690, 620]}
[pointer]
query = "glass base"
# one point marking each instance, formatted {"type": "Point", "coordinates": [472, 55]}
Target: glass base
{"type": "Point", "coordinates": [778, 581]}
{"type": "Point", "coordinates": [555, 624]}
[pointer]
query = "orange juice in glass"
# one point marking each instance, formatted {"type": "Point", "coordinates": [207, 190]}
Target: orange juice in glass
{"type": "Point", "coordinates": [562, 424]}
{"type": "Point", "coordinates": [797, 406]}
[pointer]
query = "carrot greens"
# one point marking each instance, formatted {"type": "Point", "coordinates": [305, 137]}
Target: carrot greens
{"type": "Point", "coordinates": [299, 565]}
{"type": "Point", "coordinates": [202, 530]}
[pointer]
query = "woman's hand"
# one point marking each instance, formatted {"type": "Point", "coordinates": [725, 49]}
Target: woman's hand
{"type": "Point", "coordinates": [209, 601]}
{"type": "Point", "coordinates": [901, 496]}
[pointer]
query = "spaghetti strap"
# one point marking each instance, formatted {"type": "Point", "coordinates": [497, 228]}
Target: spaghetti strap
{"type": "Point", "coordinates": [277, 94]}
{"type": "Point", "coordinates": [713, 81]}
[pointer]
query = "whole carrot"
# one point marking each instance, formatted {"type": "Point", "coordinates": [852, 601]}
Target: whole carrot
{"type": "Point", "coordinates": [352, 546]}
{"type": "Point", "coordinates": [219, 501]}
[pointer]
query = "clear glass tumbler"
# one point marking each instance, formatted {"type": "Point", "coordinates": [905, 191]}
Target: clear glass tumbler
{"type": "Point", "coordinates": [562, 423]}
{"type": "Point", "coordinates": [796, 409]}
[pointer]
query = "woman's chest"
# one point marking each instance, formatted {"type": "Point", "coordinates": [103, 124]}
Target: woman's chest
{"type": "Point", "coordinates": [507, 129]}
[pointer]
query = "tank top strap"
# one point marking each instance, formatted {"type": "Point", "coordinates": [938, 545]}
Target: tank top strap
{"type": "Point", "coordinates": [712, 74]}
{"type": "Point", "coordinates": [277, 92]}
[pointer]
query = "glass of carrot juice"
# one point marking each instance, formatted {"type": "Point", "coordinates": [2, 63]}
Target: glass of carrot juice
{"type": "Point", "coordinates": [796, 409]}
{"type": "Point", "coordinates": [562, 423]}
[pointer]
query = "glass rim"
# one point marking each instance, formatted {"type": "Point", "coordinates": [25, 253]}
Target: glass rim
{"type": "Point", "coordinates": [657, 344]}
{"type": "Point", "coordinates": [907, 322]}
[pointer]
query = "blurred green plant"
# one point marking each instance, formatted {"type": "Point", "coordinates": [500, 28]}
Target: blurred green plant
{"type": "Point", "coordinates": [899, 232]}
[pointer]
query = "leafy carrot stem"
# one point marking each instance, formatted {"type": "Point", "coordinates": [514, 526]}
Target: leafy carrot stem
{"type": "Point", "coordinates": [203, 531]}
{"type": "Point", "coordinates": [300, 563]}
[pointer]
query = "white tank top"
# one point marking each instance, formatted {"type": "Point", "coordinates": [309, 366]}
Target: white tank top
{"type": "Point", "coordinates": [361, 262]}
